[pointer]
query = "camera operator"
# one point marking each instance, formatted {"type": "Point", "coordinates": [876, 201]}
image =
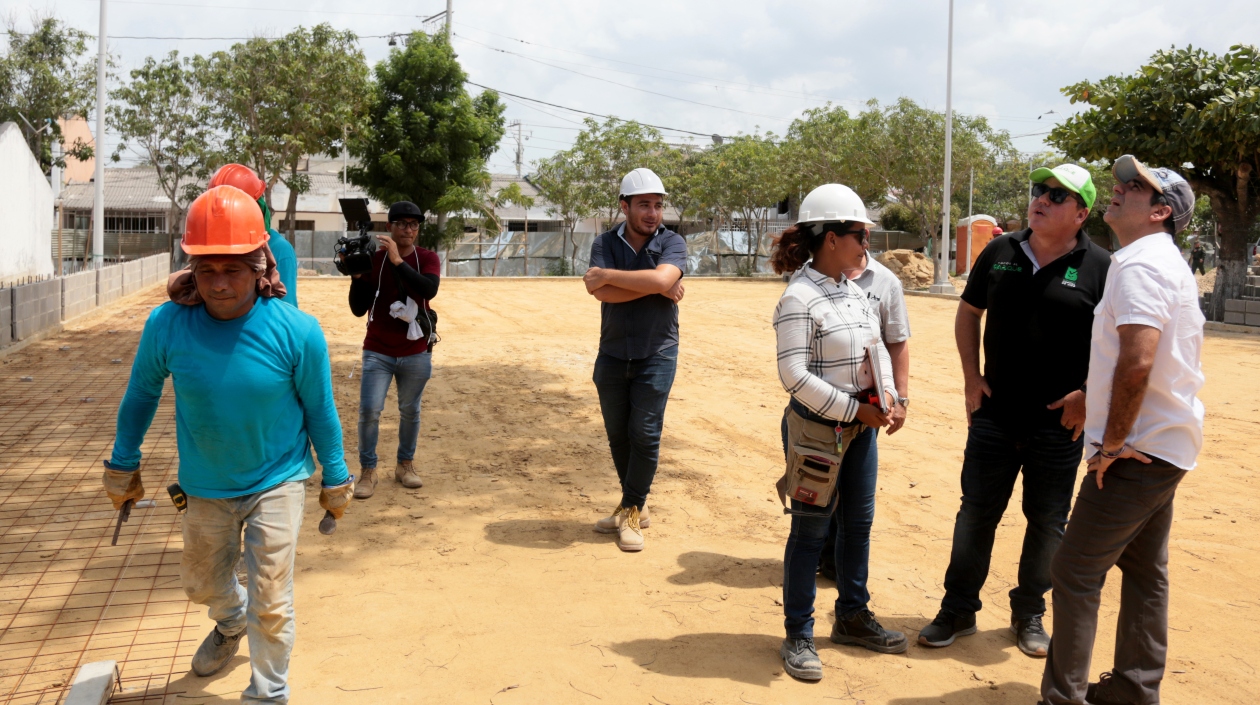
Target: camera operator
{"type": "Point", "coordinates": [395, 296]}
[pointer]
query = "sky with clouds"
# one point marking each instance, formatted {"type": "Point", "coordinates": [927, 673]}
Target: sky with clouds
{"type": "Point", "coordinates": [722, 67]}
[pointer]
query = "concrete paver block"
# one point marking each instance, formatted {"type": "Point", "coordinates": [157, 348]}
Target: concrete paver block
{"type": "Point", "coordinates": [1235, 305]}
{"type": "Point", "coordinates": [1253, 306]}
{"type": "Point", "coordinates": [36, 307]}
{"type": "Point", "coordinates": [1235, 317]}
{"type": "Point", "coordinates": [78, 294]}
{"type": "Point", "coordinates": [1251, 319]}
{"type": "Point", "coordinates": [93, 684]}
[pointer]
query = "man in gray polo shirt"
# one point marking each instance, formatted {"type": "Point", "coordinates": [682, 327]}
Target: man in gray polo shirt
{"type": "Point", "coordinates": [636, 273]}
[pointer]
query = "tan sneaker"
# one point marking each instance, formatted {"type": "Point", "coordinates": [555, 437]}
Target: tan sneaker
{"type": "Point", "coordinates": [608, 525]}
{"type": "Point", "coordinates": [365, 485]}
{"type": "Point", "coordinates": [629, 535]}
{"type": "Point", "coordinates": [405, 473]}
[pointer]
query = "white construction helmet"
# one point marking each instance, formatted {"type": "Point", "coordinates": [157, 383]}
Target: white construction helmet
{"type": "Point", "coordinates": [833, 202]}
{"type": "Point", "coordinates": [641, 181]}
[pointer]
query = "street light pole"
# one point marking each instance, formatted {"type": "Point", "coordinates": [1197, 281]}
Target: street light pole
{"type": "Point", "coordinates": [942, 285]}
{"type": "Point", "coordinates": [98, 199]}
{"type": "Point", "coordinates": [449, 14]}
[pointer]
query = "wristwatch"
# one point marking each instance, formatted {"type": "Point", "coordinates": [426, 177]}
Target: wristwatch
{"type": "Point", "coordinates": [904, 402]}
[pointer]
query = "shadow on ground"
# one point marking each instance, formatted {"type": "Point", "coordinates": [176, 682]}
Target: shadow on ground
{"type": "Point", "coordinates": [543, 533]}
{"type": "Point", "coordinates": [984, 648]}
{"type": "Point", "coordinates": [703, 567]}
{"type": "Point", "coordinates": [744, 658]}
{"type": "Point", "coordinates": [1011, 693]}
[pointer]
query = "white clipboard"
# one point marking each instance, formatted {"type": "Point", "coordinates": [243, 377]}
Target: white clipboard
{"type": "Point", "coordinates": [877, 371]}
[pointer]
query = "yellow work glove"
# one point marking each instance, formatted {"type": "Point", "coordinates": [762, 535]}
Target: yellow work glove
{"type": "Point", "coordinates": [122, 485]}
{"type": "Point", "coordinates": [336, 499]}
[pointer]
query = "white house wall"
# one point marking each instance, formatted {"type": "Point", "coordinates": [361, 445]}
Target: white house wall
{"type": "Point", "coordinates": [26, 219]}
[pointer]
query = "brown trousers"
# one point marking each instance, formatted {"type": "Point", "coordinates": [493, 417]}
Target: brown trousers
{"type": "Point", "coordinates": [1125, 524]}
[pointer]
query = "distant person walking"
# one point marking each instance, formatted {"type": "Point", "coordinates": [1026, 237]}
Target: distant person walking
{"type": "Point", "coordinates": [1025, 413]}
{"type": "Point", "coordinates": [395, 298]}
{"type": "Point", "coordinates": [1197, 257]}
{"type": "Point", "coordinates": [253, 393]}
{"type": "Point", "coordinates": [1144, 425]}
{"type": "Point", "coordinates": [245, 179]}
{"type": "Point", "coordinates": [636, 273]}
{"type": "Point", "coordinates": [827, 332]}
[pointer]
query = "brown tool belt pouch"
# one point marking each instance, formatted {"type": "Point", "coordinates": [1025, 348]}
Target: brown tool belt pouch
{"type": "Point", "coordinates": [813, 459]}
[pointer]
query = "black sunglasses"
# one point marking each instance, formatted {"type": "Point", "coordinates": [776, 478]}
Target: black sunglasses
{"type": "Point", "coordinates": [1057, 195]}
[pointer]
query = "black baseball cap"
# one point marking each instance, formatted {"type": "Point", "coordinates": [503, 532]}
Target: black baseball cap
{"type": "Point", "coordinates": [405, 209]}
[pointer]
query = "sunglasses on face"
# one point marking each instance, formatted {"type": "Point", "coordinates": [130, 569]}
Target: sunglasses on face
{"type": "Point", "coordinates": [1057, 195]}
{"type": "Point", "coordinates": [408, 225]}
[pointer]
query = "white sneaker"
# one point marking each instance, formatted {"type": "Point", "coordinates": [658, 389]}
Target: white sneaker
{"type": "Point", "coordinates": [629, 534]}
{"type": "Point", "coordinates": [608, 525]}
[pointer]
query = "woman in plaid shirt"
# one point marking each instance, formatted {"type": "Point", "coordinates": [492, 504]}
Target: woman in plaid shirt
{"type": "Point", "coordinates": [825, 325]}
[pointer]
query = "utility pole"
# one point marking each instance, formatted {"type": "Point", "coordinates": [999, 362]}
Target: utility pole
{"type": "Point", "coordinates": [98, 199]}
{"type": "Point", "coordinates": [942, 284]}
{"type": "Point", "coordinates": [450, 12]}
{"type": "Point", "coordinates": [520, 145]}
{"type": "Point", "coordinates": [56, 189]}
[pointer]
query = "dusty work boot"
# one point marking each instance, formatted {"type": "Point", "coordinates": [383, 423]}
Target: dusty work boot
{"type": "Point", "coordinates": [946, 627]}
{"type": "Point", "coordinates": [862, 629]}
{"type": "Point", "coordinates": [366, 485]}
{"type": "Point", "coordinates": [800, 659]}
{"type": "Point", "coordinates": [215, 652]}
{"type": "Point", "coordinates": [1104, 692]}
{"type": "Point", "coordinates": [1031, 636]}
{"type": "Point", "coordinates": [405, 473]}
{"type": "Point", "coordinates": [608, 525]}
{"type": "Point", "coordinates": [629, 535]}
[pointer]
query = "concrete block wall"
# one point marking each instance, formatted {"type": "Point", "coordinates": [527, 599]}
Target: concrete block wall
{"type": "Point", "coordinates": [109, 284]}
{"type": "Point", "coordinates": [6, 317]}
{"type": "Point", "coordinates": [78, 294]}
{"type": "Point", "coordinates": [36, 307]}
{"type": "Point", "coordinates": [133, 277]}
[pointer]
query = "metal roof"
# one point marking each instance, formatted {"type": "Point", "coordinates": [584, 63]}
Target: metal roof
{"type": "Point", "coordinates": [133, 189]}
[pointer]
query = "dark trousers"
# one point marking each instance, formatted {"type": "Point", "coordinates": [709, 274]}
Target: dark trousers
{"type": "Point", "coordinates": [995, 455]}
{"type": "Point", "coordinates": [632, 396]}
{"type": "Point", "coordinates": [847, 551]}
{"type": "Point", "coordinates": [1197, 266]}
{"type": "Point", "coordinates": [1125, 524]}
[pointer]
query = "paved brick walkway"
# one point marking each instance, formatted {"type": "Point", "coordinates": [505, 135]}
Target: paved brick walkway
{"type": "Point", "coordinates": [68, 597]}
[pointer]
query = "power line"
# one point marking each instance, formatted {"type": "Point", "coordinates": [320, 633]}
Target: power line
{"type": "Point", "coordinates": [264, 9]}
{"type": "Point", "coordinates": [585, 112]}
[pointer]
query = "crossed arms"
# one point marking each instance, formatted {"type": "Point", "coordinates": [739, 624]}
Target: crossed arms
{"type": "Point", "coordinates": [614, 286]}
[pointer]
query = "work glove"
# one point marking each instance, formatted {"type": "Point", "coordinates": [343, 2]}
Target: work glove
{"type": "Point", "coordinates": [122, 485]}
{"type": "Point", "coordinates": [335, 499]}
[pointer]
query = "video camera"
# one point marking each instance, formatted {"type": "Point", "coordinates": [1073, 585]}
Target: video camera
{"type": "Point", "coordinates": [353, 255]}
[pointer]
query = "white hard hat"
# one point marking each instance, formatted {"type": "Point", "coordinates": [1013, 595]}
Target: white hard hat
{"type": "Point", "coordinates": [641, 181]}
{"type": "Point", "coordinates": [833, 202]}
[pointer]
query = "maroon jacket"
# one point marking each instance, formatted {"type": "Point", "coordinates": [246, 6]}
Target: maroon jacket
{"type": "Point", "coordinates": [416, 277]}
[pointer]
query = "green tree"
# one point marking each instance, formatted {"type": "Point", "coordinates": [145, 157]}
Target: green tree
{"type": "Point", "coordinates": [744, 179]}
{"type": "Point", "coordinates": [44, 76]}
{"type": "Point", "coordinates": [162, 116]}
{"type": "Point", "coordinates": [480, 205]}
{"type": "Point", "coordinates": [816, 151]}
{"type": "Point", "coordinates": [424, 134]}
{"type": "Point", "coordinates": [558, 180]}
{"type": "Point", "coordinates": [285, 99]}
{"type": "Point", "coordinates": [901, 153]}
{"type": "Point", "coordinates": [605, 153]}
{"type": "Point", "coordinates": [1196, 112]}
{"type": "Point", "coordinates": [682, 170]}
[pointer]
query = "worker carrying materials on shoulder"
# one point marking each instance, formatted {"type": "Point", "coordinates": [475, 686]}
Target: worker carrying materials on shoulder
{"type": "Point", "coordinates": [244, 178]}
{"type": "Point", "coordinates": [253, 393]}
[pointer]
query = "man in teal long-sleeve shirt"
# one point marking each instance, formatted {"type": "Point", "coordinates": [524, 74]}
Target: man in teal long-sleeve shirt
{"type": "Point", "coordinates": [253, 394]}
{"type": "Point", "coordinates": [245, 179]}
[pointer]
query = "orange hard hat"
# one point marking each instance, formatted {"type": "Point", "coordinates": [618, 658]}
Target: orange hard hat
{"type": "Point", "coordinates": [224, 221]}
{"type": "Point", "coordinates": [240, 176]}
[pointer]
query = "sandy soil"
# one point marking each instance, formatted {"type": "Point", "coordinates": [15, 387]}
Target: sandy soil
{"type": "Point", "coordinates": [488, 585]}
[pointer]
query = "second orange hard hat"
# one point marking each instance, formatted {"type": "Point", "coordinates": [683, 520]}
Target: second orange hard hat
{"type": "Point", "coordinates": [224, 221]}
{"type": "Point", "coordinates": [240, 176]}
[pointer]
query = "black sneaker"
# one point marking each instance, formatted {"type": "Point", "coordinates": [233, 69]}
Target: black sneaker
{"type": "Point", "coordinates": [800, 659]}
{"type": "Point", "coordinates": [861, 628]}
{"type": "Point", "coordinates": [1103, 692]}
{"type": "Point", "coordinates": [946, 627]}
{"type": "Point", "coordinates": [215, 652]}
{"type": "Point", "coordinates": [1031, 636]}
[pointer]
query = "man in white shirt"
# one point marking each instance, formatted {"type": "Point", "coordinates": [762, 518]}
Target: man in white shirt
{"type": "Point", "coordinates": [1144, 425]}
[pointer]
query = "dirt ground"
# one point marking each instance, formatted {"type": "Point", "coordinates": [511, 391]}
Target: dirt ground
{"type": "Point", "coordinates": [488, 584]}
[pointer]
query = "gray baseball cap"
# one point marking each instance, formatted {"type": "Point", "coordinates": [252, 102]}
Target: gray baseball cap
{"type": "Point", "coordinates": [1175, 189]}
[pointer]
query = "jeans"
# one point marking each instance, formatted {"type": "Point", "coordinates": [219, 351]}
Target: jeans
{"type": "Point", "coordinates": [853, 508]}
{"type": "Point", "coordinates": [994, 457]}
{"type": "Point", "coordinates": [632, 396]}
{"type": "Point", "coordinates": [412, 372]}
{"type": "Point", "coordinates": [271, 520]}
{"type": "Point", "coordinates": [1124, 524]}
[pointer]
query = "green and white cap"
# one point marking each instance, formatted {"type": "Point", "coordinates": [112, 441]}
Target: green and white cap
{"type": "Point", "coordinates": [1073, 178]}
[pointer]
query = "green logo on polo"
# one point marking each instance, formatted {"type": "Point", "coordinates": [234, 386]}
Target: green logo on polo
{"type": "Point", "coordinates": [1071, 274]}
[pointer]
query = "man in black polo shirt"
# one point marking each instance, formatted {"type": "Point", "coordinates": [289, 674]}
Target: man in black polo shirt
{"type": "Point", "coordinates": [1027, 411]}
{"type": "Point", "coordinates": [636, 272]}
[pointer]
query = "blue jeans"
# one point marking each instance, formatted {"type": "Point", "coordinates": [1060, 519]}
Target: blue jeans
{"type": "Point", "coordinates": [853, 505]}
{"type": "Point", "coordinates": [632, 396]}
{"type": "Point", "coordinates": [412, 372]}
{"type": "Point", "coordinates": [995, 455]}
{"type": "Point", "coordinates": [270, 520]}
